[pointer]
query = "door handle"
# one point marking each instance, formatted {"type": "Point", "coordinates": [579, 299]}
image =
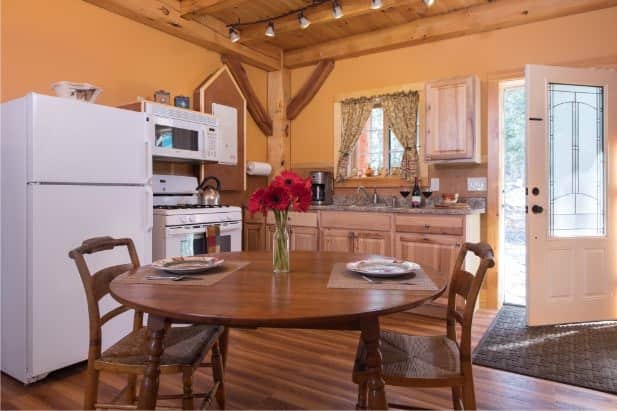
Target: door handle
{"type": "Point", "coordinates": [536, 209]}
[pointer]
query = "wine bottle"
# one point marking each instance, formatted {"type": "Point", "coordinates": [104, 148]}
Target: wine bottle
{"type": "Point", "coordinates": [416, 195]}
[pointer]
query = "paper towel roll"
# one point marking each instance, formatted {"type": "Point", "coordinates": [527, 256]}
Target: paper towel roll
{"type": "Point", "coordinates": [256, 168]}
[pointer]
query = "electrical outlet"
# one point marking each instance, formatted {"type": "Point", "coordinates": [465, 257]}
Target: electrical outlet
{"type": "Point", "coordinates": [434, 184]}
{"type": "Point", "coordinates": [476, 184]}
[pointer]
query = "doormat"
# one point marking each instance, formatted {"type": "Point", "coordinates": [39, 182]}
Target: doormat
{"type": "Point", "coordinates": [583, 354]}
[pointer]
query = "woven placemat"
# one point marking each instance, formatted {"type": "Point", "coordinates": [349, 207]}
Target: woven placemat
{"type": "Point", "coordinates": [198, 280]}
{"type": "Point", "coordinates": [340, 277]}
{"type": "Point", "coordinates": [583, 354]}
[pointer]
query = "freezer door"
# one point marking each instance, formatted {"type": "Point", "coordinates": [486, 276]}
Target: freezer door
{"type": "Point", "coordinates": [61, 217]}
{"type": "Point", "coordinates": [77, 142]}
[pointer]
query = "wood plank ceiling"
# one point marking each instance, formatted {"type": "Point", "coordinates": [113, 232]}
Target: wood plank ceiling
{"type": "Point", "coordinates": [361, 30]}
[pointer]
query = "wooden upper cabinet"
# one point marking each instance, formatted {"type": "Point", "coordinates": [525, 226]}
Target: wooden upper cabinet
{"type": "Point", "coordinates": [452, 131]}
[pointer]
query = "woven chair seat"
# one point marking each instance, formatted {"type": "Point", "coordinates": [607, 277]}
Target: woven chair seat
{"type": "Point", "coordinates": [410, 357]}
{"type": "Point", "coordinates": [183, 345]}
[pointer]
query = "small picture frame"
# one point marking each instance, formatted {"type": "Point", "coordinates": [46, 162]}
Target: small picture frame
{"type": "Point", "coordinates": [182, 101]}
{"type": "Point", "coordinates": [162, 97]}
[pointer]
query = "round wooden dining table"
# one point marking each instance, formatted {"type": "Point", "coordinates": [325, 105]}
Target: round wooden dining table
{"type": "Point", "coordinates": [254, 296]}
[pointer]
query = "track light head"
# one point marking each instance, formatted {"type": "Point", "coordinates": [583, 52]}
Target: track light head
{"type": "Point", "coordinates": [429, 3]}
{"type": "Point", "coordinates": [337, 11]}
{"type": "Point", "coordinates": [234, 36]}
{"type": "Point", "coordinates": [303, 21]}
{"type": "Point", "coordinates": [376, 4]}
{"type": "Point", "coordinates": [270, 29]}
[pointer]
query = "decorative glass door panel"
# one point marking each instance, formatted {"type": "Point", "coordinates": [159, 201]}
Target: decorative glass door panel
{"type": "Point", "coordinates": [577, 194]}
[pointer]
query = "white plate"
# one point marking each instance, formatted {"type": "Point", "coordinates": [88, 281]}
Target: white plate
{"type": "Point", "coordinates": [187, 265]}
{"type": "Point", "coordinates": [383, 267]}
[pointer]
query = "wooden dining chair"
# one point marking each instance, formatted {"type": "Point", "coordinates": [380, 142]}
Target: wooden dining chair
{"type": "Point", "coordinates": [435, 361]}
{"type": "Point", "coordinates": [184, 347]}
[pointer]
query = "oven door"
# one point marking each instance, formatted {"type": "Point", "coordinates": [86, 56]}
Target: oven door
{"type": "Point", "coordinates": [231, 236]}
{"type": "Point", "coordinates": [189, 240]}
{"type": "Point", "coordinates": [176, 138]}
{"type": "Point", "coordinates": [185, 240]}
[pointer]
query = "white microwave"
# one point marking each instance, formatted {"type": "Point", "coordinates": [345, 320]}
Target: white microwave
{"type": "Point", "coordinates": [177, 133]}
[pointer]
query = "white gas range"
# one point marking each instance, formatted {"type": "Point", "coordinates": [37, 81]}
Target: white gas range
{"type": "Point", "coordinates": [180, 222]}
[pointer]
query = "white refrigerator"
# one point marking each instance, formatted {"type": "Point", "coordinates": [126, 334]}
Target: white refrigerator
{"type": "Point", "coordinates": [70, 171]}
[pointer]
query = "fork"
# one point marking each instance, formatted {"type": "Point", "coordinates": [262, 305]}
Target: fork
{"type": "Point", "coordinates": [171, 277]}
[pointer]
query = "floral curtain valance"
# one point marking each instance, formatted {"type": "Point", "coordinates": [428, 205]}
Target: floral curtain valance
{"type": "Point", "coordinates": [401, 111]}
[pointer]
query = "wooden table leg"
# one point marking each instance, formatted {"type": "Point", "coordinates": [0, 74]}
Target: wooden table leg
{"type": "Point", "coordinates": [150, 384]}
{"type": "Point", "coordinates": [224, 343]}
{"type": "Point", "coordinates": [375, 383]}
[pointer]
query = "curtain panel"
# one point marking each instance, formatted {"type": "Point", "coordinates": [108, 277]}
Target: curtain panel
{"type": "Point", "coordinates": [401, 112]}
{"type": "Point", "coordinates": [354, 115]}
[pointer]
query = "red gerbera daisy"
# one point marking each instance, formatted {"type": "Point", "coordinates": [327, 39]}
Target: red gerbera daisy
{"type": "Point", "coordinates": [256, 202]}
{"type": "Point", "coordinates": [276, 198]}
{"type": "Point", "coordinates": [287, 179]}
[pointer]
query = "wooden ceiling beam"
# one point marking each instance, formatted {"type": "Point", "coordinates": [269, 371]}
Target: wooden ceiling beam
{"type": "Point", "coordinates": [476, 19]}
{"type": "Point", "coordinates": [208, 6]}
{"type": "Point", "coordinates": [317, 15]}
{"type": "Point", "coordinates": [157, 14]}
{"type": "Point", "coordinates": [253, 105]}
{"type": "Point", "coordinates": [310, 88]}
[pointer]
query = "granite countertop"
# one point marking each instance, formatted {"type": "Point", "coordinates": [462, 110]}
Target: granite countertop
{"type": "Point", "coordinates": [400, 210]}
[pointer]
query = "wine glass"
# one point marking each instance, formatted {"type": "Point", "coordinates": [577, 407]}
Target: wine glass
{"type": "Point", "coordinates": [405, 191]}
{"type": "Point", "coordinates": [426, 192]}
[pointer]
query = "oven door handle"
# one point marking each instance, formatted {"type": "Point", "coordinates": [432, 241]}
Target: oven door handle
{"type": "Point", "coordinates": [230, 226]}
{"type": "Point", "coordinates": [180, 231]}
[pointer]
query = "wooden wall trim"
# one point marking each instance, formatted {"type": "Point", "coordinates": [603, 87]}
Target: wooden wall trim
{"type": "Point", "coordinates": [310, 88]}
{"type": "Point", "coordinates": [279, 142]}
{"type": "Point", "coordinates": [255, 108]}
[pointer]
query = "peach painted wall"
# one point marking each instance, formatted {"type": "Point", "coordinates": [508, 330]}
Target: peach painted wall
{"type": "Point", "coordinates": [45, 41]}
{"type": "Point", "coordinates": [584, 36]}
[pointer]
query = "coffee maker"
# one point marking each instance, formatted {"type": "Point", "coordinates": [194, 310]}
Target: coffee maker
{"type": "Point", "coordinates": [323, 187]}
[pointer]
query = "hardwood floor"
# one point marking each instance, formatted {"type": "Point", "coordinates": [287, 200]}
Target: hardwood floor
{"type": "Point", "coordinates": [306, 369]}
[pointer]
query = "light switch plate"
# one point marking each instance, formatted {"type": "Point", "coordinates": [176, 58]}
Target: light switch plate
{"type": "Point", "coordinates": [434, 184]}
{"type": "Point", "coordinates": [476, 184]}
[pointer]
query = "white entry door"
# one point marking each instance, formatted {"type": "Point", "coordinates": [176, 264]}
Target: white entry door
{"type": "Point", "coordinates": [572, 194]}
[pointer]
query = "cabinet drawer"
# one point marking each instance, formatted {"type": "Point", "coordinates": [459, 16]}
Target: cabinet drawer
{"type": "Point", "coordinates": [297, 219]}
{"type": "Point", "coordinates": [356, 221]}
{"type": "Point", "coordinates": [430, 224]}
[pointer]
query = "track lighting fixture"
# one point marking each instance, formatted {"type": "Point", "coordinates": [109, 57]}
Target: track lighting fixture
{"type": "Point", "coordinates": [304, 22]}
{"type": "Point", "coordinates": [234, 36]}
{"type": "Point", "coordinates": [337, 11]}
{"type": "Point", "coordinates": [429, 3]}
{"type": "Point", "coordinates": [270, 29]}
{"type": "Point", "coordinates": [376, 4]}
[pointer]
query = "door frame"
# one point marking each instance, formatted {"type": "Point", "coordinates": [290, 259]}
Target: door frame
{"type": "Point", "coordinates": [492, 292]}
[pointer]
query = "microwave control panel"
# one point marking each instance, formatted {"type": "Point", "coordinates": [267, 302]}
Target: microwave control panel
{"type": "Point", "coordinates": [211, 149]}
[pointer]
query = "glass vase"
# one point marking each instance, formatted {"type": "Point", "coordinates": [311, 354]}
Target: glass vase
{"type": "Point", "coordinates": [280, 249]}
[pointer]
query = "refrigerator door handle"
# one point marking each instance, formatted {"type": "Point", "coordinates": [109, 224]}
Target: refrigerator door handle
{"type": "Point", "coordinates": [148, 162]}
{"type": "Point", "coordinates": [149, 209]}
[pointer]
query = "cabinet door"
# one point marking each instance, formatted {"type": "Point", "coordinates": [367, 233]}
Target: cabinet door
{"type": "Point", "coordinates": [336, 240]}
{"type": "Point", "coordinates": [254, 237]}
{"type": "Point", "coordinates": [452, 119]}
{"type": "Point", "coordinates": [372, 242]}
{"type": "Point", "coordinates": [304, 239]}
{"type": "Point", "coordinates": [437, 253]}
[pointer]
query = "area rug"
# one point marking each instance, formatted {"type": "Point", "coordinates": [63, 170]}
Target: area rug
{"type": "Point", "coordinates": [583, 354]}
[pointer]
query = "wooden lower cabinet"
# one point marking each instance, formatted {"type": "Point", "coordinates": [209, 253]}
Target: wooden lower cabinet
{"type": "Point", "coordinates": [336, 240]}
{"type": "Point", "coordinates": [372, 242]}
{"type": "Point", "coordinates": [304, 239]}
{"type": "Point", "coordinates": [300, 238]}
{"type": "Point", "coordinates": [254, 236]}
{"type": "Point", "coordinates": [438, 252]}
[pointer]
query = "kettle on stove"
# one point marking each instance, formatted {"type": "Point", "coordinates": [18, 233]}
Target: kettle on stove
{"type": "Point", "coordinates": [210, 195]}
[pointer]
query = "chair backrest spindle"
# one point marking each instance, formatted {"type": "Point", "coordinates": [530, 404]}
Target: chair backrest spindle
{"type": "Point", "coordinates": [467, 286]}
{"type": "Point", "coordinates": [96, 285]}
